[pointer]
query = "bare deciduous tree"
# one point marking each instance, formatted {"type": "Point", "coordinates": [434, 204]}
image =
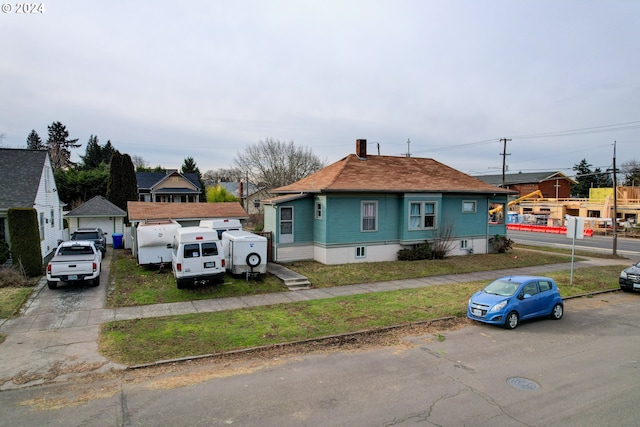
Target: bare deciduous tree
{"type": "Point", "coordinates": [139, 163]}
{"type": "Point", "coordinates": [273, 163]}
{"type": "Point", "coordinates": [212, 177]}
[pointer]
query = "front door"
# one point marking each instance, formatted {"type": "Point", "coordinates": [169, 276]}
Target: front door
{"type": "Point", "coordinates": [286, 224]}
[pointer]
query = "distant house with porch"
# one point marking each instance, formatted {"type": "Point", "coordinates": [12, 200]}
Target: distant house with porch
{"type": "Point", "coordinates": [168, 187]}
{"type": "Point", "coordinates": [365, 208]}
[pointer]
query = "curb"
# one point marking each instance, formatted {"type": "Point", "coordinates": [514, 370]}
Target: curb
{"type": "Point", "coordinates": [290, 343]}
{"type": "Point", "coordinates": [322, 339]}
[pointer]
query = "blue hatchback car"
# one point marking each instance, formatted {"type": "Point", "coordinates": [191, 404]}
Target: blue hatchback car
{"type": "Point", "coordinates": [508, 300]}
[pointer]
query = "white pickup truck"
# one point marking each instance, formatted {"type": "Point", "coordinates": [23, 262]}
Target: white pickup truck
{"type": "Point", "coordinates": [75, 261]}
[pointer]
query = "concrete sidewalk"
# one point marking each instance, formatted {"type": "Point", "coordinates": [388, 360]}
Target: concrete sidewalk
{"type": "Point", "coordinates": [55, 344]}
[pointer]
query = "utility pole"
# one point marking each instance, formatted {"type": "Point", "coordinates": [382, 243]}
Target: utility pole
{"type": "Point", "coordinates": [408, 153]}
{"type": "Point", "coordinates": [504, 155]}
{"type": "Point", "coordinates": [614, 220]}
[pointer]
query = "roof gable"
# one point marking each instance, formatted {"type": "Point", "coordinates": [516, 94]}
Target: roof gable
{"type": "Point", "coordinates": [389, 174]}
{"type": "Point", "coordinates": [97, 206]}
{"type": "Point", "coordinates": [523, 178]}
{"type": "Point", "coordinates": [148, 180]}
{"type": "Point", "coordinates": [20, 174]}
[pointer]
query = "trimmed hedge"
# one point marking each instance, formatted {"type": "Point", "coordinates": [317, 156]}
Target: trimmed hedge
{"type": "Point", "coordinates": [25, 240]}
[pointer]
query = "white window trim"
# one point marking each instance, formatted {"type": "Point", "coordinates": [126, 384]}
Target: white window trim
{"type": "Point", "coordinates": [318, 209]}
{"type": "Point", "coordinates": [375, 215]}
{"type": "Point", "coordinates": [361, 252]}
{"type": "Point", "coordinates": [422, 215]}
{"type": "Point", "coordinates": [475, 206]}
{"type": "Point", "coordinates": [281, 221]}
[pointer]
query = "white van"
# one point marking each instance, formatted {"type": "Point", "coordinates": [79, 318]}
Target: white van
{"type": "Point", "coordinates": [197, 256]}
{"type": "Point", "coordinates": [245, 252]}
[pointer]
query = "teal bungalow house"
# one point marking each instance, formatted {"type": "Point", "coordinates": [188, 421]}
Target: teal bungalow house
{"type": "Point", "coordinates": [366, 208]}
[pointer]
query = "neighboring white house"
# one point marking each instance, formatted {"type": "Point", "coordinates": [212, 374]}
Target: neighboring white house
{"type": "Point", "coordinates": [97, 212]}
{"type": "Point", "coordinates": [27, 181]}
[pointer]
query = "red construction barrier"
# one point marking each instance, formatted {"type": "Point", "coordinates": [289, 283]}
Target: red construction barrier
{"type": "Point", "coordinates": [545, 229]}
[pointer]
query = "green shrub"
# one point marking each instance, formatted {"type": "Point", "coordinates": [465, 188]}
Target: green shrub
{"type": "Point", "coordinates": [25, 240]}
{"type": "Point", "coordinates": [4, 251]}
{"type": "Point", "coordinates": [500, 244]}
{"type": "Point", "coordinates": [418, 252]}
{"type": "Point", "coordinates": [11, 278]}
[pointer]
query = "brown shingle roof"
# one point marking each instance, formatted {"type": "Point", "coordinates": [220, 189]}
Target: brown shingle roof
{"type": "Point", "coordinates": [389, 174]}
{"type": "Point", "coordinates": [140, 211]}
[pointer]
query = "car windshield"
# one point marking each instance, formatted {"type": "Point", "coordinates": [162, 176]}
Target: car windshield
{"type": "Point", "coordinates": [502, 287]}
{"type": "Point", "coordinates": [86, 235]}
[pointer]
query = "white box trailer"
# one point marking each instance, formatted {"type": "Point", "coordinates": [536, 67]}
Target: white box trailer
{"type": "Point", "coordinates": [245, 252]}
{"type": "Point", "coordinates": [221, 225]}
{"type": "Point", "coordinates": [154, 241]}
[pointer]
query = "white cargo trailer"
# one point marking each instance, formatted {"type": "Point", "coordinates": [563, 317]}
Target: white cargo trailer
{"type": "Point", "coordinates": [221, 225]}
{"type": "Point", "coordinates": [245, 252]}
{"type": "Point", "coordinates": [154, 241]}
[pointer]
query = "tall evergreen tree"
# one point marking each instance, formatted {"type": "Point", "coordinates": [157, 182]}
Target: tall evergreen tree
{"type": "Point", "coordinates": [107, 152]}
{"type": "Point", "coordinates": [60, 146]}
{"type": "Point", "coordinates": [189, 166]}
{"type": "Point", "coordinates": [93, 154]}
{"type": "Point", "coordinates": [122, 186]}
{"type": "Point", "coordinates": [602, 179]}
{"type": "Point", "coordinates": [584, 179]}
{"type": "Point", "coordinates": [34, 142]}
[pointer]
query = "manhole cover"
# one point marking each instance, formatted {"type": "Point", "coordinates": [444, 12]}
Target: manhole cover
{"type": "Point", "coordinates": [523, 384]}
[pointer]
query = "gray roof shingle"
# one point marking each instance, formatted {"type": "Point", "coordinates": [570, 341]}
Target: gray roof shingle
{"type": "Point", "coordinates": [97, 207]}
{"type": "Point", "coordinates": [20, 174]}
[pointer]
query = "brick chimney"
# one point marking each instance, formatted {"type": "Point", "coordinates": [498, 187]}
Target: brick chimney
{"type": "Point", "coordinates": [361, 148]}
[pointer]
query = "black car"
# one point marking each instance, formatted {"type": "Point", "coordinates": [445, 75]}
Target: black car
{"type": "Point", "coordinates": [630, 278]}
{"type": "Point", "coordinates": [96, 235]}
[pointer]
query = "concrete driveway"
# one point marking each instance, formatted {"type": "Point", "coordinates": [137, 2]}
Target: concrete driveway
{"type": "Point", "coordinates": [56, 335]}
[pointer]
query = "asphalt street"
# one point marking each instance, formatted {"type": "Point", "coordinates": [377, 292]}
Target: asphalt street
{"type": "Point", "coordinates": [579, 371]}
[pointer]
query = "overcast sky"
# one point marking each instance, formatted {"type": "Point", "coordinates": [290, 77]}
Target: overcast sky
{"type": "Point", "coordinates": [204, 79]}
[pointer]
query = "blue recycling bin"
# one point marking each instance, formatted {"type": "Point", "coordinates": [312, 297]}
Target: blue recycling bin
{"type": "Point", "coordinates": [117, 240]}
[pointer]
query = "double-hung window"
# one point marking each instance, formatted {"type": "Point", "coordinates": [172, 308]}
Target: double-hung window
{"type": "Point", "coordinates": [422, 215]}
{"type": "Point", "coordinates": [369, 214]}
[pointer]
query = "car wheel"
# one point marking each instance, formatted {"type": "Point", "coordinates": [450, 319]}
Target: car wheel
{"type": "Point", "coordinates": [52, 285]}
{"type": "Point", "coordinates": [512, 320]}
{"type": "Point", "coordinates": [557, 312]}
{"type": "Point", "coordinates": [181, 284]}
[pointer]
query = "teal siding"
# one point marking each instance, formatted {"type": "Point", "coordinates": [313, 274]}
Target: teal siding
{"type": "Point", "coordinates": [302, 220]}
{"type": "Point", "coordinates": [320, 224]}
{"type": "Point", "coordinates": [418, 235]}
{"type": "Point", "coordinates": [466, 224]}
{"type": "Point", "coordinates": [343, 213]}
{"type": "Point", "coordinates": [341, 218]}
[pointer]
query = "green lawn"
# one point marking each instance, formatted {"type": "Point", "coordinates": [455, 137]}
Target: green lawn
{"type": "Point", "coordinates": [153, 339]}
{"type": "Point", "coordinates": [135, 285]}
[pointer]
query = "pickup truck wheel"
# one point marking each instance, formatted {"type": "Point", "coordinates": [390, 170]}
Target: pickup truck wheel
{"type": "Point", "coordinates": [52, 285]}
{"type": "Point", "coordinates": [96, 281]}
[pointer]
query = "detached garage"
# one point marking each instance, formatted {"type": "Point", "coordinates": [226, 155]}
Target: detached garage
{"type": "Point", "coordinates": [97, 212]}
